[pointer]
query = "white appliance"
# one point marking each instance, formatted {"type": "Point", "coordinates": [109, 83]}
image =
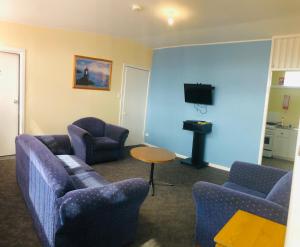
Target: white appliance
{"type": "Point", "coordinates": [268, 143]}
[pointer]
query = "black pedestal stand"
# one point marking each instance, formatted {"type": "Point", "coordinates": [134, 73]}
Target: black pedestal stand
{"type": "Point", "coordinates": [198, 152]}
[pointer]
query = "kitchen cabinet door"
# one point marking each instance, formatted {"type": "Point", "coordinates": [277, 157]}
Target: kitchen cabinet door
{"type": "Point", "coordinates": [292, 144]}
{"type": "Point", "coordinates": [281, 144]}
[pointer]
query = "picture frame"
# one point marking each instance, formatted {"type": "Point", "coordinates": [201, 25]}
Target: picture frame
{"type": "Point", "coordinates": [281, 81]}
{"type": "Point", "coordinates": [92, 73]}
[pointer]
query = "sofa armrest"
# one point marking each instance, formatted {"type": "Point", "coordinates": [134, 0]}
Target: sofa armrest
{"type": "Point", "coordinates": [107, 213]}
{"type": "Point", "coordinates": [116, 133]}
{"type": "Point", "coordinates": [82, 142]}
{"type": "Point", "coordinates": [223, 202]}
{"type": "Point", "coordinates": [255, 177]}
{"type": "Point", "coordinates": [215, 205]}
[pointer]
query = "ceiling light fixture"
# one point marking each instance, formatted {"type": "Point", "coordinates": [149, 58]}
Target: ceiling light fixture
{"type": "Point", "coordinates": [170, 21]}
{"type": "Point", "coordinates": [170, 17]}
{"type": "Point", "coordinates": [136, 7]}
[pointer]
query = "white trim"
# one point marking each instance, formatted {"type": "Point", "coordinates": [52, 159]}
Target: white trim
{"type": "Point", "coordinates": [22, 92]}
{"type": "Point", "coordinates": [220, 167]}
{"type": "Point", "coordinates": [286, 36]}
{"type": "Point", "coordinates": [146, 106]}
{"type": "Point", "coordinates": [215, 43]}
{"type": "Point", "coordinates": [123, 93]}
{"type": "Point", "coordinates": [284, 87]}
{"type": "Point", "coordinates": [136, 67]}
{"type": "Point", "coordinates": [22, 82]}
{"type": "Point", "coordinates": [150, 145]}
{"type": "Point", "coordinates": [181, 156]}
{"type": "Point", "coordinates": [285, 69]}
{"type": "Point", "coordinates": [266, 106]}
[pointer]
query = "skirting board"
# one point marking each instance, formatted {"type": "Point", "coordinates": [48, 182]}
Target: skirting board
{"type": "Point", "coordinates": [224, 168]}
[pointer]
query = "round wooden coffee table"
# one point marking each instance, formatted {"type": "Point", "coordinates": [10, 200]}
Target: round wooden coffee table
{"type": "Point", "coordinates": [152, 156]}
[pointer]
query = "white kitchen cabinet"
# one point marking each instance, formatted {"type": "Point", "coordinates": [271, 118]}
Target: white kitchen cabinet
{"type": "Point", "coordinates": [280, 143]}
{"type": "Point", "coordinates": [293, 144]}
{"type": "Point", "coordinates": [284, 143]}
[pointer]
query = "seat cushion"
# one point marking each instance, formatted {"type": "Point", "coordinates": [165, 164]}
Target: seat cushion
{"type": "Point", "coordinates": [243, 189]}
{"type": "Point", "coordinates": [105, 143]}
{"type": "Point", "coordinates": [88, 180]}
{"type": "Point", "coordinates": [73, 164]}
{"type": "Point", "coordinates": [281, 191]}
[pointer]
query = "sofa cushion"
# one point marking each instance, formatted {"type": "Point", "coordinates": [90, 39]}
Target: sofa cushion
{"type": "Point", "coordinates": [94, 126]}
{"type": "Point", "coordinates": [243, 189]}
{"type": "Point", "coordinates": [281, 191]}
{"type": "Point", "coordinates": [105, 143]}
{"type": "Point", "coordinates": [88, 180]}
{"type": "Point", "coordinates": [73, 164]}
{"type": "Point", "coordinates": [57, 144]}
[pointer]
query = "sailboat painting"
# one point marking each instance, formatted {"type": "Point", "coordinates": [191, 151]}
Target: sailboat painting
{"type": "Point", "coordinates": [92, 73]}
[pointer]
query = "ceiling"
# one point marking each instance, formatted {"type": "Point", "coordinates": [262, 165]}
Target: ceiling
{"type": "Point", "coordinates": [196, 21]}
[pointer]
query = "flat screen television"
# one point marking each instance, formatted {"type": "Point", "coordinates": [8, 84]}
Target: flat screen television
{"type": "Point", "coordinates": [198, 93]}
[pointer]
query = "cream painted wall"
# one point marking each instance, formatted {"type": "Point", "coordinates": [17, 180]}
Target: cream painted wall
{"type": "Point", "coordinates": [51, 102]}
{"type": "Point", "coordinates": [292, 115]}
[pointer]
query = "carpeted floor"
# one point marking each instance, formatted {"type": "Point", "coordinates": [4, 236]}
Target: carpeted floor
{"type": "Point", "coordinates": [168, 217]}
{"type": "Point", "coordinates": [278, 163]}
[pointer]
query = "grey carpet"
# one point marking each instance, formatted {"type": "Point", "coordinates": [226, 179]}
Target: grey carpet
{"type": "Point", "coordinates": [168, 217]}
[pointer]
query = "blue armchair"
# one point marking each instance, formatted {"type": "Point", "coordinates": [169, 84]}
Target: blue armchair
{"type": "Point", "coordinates": [95, 141]}
{"type": "Point", "coordinates": [260, 190]}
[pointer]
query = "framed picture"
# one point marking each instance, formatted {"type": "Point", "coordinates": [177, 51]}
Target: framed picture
{"type": "Point", "coordinates": [281, 81]}
{"type": "Point", "coordinates": [92, 73]}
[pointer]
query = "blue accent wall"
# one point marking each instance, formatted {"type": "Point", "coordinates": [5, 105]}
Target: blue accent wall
{"type": "Point", "coordinates": [239, 71]}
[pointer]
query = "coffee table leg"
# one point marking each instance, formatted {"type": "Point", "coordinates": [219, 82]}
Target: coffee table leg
{"type": "Point", "coordinates": [151, 181]}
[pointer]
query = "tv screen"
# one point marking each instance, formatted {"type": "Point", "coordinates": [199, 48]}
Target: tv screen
{"type": "Point", "coordinates": [198, 94]}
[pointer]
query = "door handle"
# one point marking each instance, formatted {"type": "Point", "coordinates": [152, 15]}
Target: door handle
{"type": "Point", "coordinates": [16, 101]}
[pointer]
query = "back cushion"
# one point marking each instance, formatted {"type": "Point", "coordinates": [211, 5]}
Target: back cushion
{"type": "Point", "coordinates": [57, 144]}
{"type": "Point", "coordinates": [94, 126]}
{"type": "Point", "coordinates": [280, 193]}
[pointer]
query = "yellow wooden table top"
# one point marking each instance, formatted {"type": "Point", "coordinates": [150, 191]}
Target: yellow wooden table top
{"type": "Point", "coordinates": [152, 155]}
{"type": "Point", "coordinates": [248, 230]}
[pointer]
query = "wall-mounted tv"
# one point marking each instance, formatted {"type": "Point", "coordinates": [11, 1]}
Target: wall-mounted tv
{"type": "Point", "coordinates": [198, 93]}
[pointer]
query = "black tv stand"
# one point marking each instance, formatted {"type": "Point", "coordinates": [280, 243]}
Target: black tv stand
{"type": "Point", "coordinates": [200, 129]}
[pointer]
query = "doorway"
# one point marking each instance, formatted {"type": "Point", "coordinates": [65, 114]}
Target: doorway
{"type": "Point", "coordinates": [283, 116]}
{"type": "Point", "coordinates": [134, 103]}
{"type": "Point", "coordinates": [12, 87]}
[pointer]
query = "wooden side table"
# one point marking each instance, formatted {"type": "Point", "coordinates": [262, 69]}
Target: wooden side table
{"type": "Point", "coordinates": [152, 156]}
{"type": "Point", "coordinates": [249, 230]}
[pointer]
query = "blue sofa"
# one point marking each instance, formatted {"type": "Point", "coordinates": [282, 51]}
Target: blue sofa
{"type": "Point", "coordinates": [95, 141]}
{"type": "Point", "coordinates": [71, 204]}
{"type": "Point", "coordinates": [260, 190]}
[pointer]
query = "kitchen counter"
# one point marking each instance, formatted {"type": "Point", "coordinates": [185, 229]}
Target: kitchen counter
{"type": "Point", "coordinates": [286, 127]}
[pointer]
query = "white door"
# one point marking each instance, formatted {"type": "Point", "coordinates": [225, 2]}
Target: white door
{"type": "Point", "coordinates": [9, 98]}
{"type": "Point", "coordinates": [134, 103]}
